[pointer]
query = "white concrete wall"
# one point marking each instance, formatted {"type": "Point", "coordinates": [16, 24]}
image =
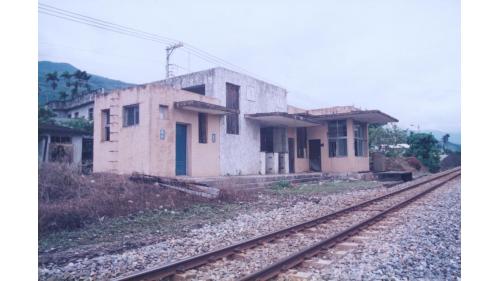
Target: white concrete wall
{"type": "Point", "coordinates": [240, 154]}
{"type": "Point", "coordinates": [77, 149]}
{"type": "Point", "coordinates": [83, 111]}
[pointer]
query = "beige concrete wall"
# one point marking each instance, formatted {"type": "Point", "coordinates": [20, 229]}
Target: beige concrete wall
{"type": "Point", "coordinates": [350, 163]}
{"type": "Point", "coordinates": [301, 164]}
{"type": "Point", "coordinates": [139, 148]}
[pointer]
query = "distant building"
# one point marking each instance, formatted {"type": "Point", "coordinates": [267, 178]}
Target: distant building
{"type": "Point", "coordinates": [220, 122]}
{"type": "Point", "coordinates": [80, 106]}
{"type": "Point", "coordinates": [61, 144]}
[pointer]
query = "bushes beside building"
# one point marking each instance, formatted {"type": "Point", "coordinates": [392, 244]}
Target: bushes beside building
{"type": "Point", "coordinates": [425, 148]}
{"type": "Point", "coordinates": [68, 199]}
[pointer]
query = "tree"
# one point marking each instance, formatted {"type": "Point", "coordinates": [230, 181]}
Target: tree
{"type": "Point", "coordinates": [63, 95]}
{"type": "Point", "coordinates": [81, 80]}
{"type": "Point", "coordinates": [52, 79]}
{"type": "Point", "coordinates": [445, 139]}
{"type": "Point", "coordinates": [67, 78]}
{"type": "Point", "coordinates": [385, 138]}
{"type": "Point", "coordinates": [425, 147]}
{"type": "Point", "coordinates": [81, 124]}
{"type": "Point", "coordinates": [45, 115]}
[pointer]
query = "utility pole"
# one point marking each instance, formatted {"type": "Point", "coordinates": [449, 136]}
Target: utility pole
{"type": "Point", "coordinates": [170, 49]}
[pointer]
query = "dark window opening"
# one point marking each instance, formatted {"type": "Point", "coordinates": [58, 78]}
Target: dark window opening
{"type": "Point", "coordinates": [91, 114]}
{"type": "Point", "coordinates": [232, 102]}
{"type": "Point", "coordinates": [76, 114]}
{"type": "Point", "coordinates": [106, 121]}
{"type": "Point", "coordinates": [202, 127]}
{"type": "Point", "coordinates": [266, 140]}
{"type": "Point", "coordinates": [87, 150]}
{"type": "Point", "coordinates": [60, 139]}
{"type": "Point", "coordinates": [301, 142]}
{"type": "Point", "coordinates": [130, 115]}
{"type": "Point", "coordinates": [198, 89]}
{"type": "Point", "coordinates": [69, 115]}
{"type": "Point", "coordinates": [337, 138]}
{"type": "Point", "coordinates": [360, 141]}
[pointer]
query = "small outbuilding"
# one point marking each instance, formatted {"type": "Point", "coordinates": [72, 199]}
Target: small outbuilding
{"type": "Point", "coordinates": [62, 144]}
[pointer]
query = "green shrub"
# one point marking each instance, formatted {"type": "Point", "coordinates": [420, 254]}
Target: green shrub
{"type": "Point", "coordinates": [282, 184]}
{"type": "Point", "coordinates": [425, 147]}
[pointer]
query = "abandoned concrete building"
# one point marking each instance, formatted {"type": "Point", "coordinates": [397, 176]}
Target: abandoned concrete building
{"type": "Point", "coordinates": [219, 122]}
{"type": "Point", "coordinates": [62, 144]}
{"type": "Point", "coordinates": [80, 106]}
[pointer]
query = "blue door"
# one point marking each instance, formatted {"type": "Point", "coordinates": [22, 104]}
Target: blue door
{"type": "Point", "coordinates": [180, 149]}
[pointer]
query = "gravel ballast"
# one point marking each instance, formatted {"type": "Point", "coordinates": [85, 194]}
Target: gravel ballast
{"type": "Point", "coordinates": [421, 242]}
{"type": "Point", "coordinates": [210, 237]}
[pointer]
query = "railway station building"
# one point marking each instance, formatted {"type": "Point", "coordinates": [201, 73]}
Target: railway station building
{"type": "Point", "coordinates": [219, 122]}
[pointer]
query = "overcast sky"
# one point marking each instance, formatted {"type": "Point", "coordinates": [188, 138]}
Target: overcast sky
{"type": "Point", "coordinates": [402, 57]}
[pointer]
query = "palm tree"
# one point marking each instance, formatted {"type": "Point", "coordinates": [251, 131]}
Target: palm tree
{"type": "Point", "coordinates": [67, 77]}
{"type": "Point", "coordinates": [52, 79]}
{"type": "Point", "coordinates": [82, 79]}
{"type": "Point", "coordinates": [63, 95]}
{"type": "Point", "coordinates": [445, 139]}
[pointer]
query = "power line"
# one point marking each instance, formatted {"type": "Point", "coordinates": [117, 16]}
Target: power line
{"type": "Point", "coordinates": [140, 36]}
{"type": "Point", "coordinates": [124, 30]}
{"type": "Point", "coordinates": [128, 29]}
{"type": "Point", "coordinates": [98, 52]}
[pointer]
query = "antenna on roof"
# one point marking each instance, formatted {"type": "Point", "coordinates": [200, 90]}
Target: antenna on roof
{"type": "Point", "coordinates": [170, 49]}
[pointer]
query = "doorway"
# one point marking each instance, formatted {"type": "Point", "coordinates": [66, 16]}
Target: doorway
{"type": "Point", "coordinates": [315, 155]}
{"type": "Point", "coordinates": [291, 155]}
{"type": "Point", "coordinates": [180, 149]}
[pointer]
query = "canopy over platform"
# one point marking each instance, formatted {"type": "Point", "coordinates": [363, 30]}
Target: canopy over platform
{"type": "Point", "coordinates": [204, 107]}
{"type": "Point", "coordinates": [282, 119]}
{"type": "Point", "coordinates": [367, 116]}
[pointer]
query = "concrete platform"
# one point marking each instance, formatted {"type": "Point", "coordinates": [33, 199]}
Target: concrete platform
{"type": "Point", "coordinates": [394, 176]}
{"type": "Point", "coordinates": [263, 181]}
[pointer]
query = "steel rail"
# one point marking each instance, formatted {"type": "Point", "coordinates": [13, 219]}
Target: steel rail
{"type": "Point", "coordinates": [297, 258]}
{"type": "Point", "coordinates": [196, 261]}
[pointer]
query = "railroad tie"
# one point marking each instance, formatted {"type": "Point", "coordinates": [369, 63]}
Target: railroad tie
{"type": "Point", "coordinates": [317, 263]}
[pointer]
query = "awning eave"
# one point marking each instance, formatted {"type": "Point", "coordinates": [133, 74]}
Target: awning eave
{"type": "Point", "coordinates": [366, 116]}
{"type": "Point", "coordinates": [282, 119]}
{"type": "Point", "coordinates": [203, 107]}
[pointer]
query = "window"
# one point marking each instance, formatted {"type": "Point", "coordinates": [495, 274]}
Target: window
{"type": "Point", "coordinates": [232, 102]}
{"type": "Point", "coordinates": [202, 127]}
{"type": "Point", "coordinates": [76, 114]}
{"type": "Point", "coordinates": [360, 142]}
{"type": "Point", "coordinates": [105, 124]}
{"type": "Point", "coordinates": [130, 115]}
{"type": "Point", "coordinates": [199, 89]}
{"type": "Point", "coordinates": [337, 138]}
{"type": "Point", "coordinates": [69, 115]}
{"type": "Point", "coordinates": [266, 140]}
{"type": "Point", "coordinates": [60, 139]}
{"type": "Point", "coordinates": [163, 112]}
{"type": "Point", "coordinates": [91, 114]}
{"type": "Point", "coordinates": [301, 142]}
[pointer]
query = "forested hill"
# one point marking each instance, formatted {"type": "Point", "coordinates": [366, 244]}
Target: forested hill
{"type": "Point", "coordinates": [46, 93]}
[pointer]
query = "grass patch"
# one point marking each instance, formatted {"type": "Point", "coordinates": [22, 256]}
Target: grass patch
{"type": "Point", "coordinates": [323, 187]}
{"type": "Point", "coordinates": [283, 184]}
{"type": "Point", "coordinates": [142, 227]}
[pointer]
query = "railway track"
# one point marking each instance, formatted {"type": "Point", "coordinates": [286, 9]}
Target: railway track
{"type": "Point", "coordinates": [266, 256]}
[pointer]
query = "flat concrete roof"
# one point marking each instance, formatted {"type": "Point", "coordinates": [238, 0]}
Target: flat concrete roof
{"type": "Point", "coordinates": [57, 129]}
{"type": "Point", "coordinates": [204, 107]}
{"type": "Point", "coordinates": [282, 119]}
{"type": "Point", "coordinates": [368, 116]}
